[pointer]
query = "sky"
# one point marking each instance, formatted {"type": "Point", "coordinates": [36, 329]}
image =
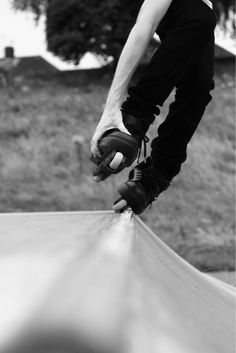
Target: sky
{"type": "Point", "coordinates": [20, 31]}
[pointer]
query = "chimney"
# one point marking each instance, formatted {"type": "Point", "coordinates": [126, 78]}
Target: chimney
{"type": "Point", "coordinates": [9, 53]}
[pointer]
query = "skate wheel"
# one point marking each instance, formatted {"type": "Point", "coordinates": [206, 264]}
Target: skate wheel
{"type": "Point", "coordinates": [120, 206]}
{"type": "Point", "coordinates": [115, 163]}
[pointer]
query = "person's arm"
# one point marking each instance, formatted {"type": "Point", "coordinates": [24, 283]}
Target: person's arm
{"type": "Point", "coordinates": [150, 15]}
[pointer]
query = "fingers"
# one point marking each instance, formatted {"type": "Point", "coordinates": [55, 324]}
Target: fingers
{"type": "Point", "coordinates": [97, 178]}
{"type": "Point", "coordinates": [100, 131]}
{"type": "Point", "coordinates": [122, 128]}
{"type": "Point", "coordinates": [94, 146]}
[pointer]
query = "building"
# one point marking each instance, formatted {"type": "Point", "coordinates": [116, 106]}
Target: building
{"type": "Point", "coordinates": [25, 66]}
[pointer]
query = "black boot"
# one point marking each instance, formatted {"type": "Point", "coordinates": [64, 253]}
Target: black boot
{"type": "Point", "coordinates": [138, 129]}
{"type": "Point", "coordinates": [144, 185]}
{"type": "Point", "coordinates": [114, 141]}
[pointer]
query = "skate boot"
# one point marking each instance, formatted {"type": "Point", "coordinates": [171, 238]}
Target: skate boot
{"type": "Point", "coordinates": [119, 150]}
{"type": "Point", "coordinates": [143, 187]}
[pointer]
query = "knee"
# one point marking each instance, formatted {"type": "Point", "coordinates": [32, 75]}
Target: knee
{"type": "Point", "coordinates": [200, 100]}
{"type": "Point", "coordinates": [205, 87]}
{"type": "Point", "coordinates": [200, 96]}
{"type": "Point", "coordinates": [204, 93]}
{"type": "Point", "coordinates": [208, 94]}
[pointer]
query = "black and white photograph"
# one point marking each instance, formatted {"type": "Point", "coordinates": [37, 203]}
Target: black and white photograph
{"type": "Point", "coordinates": [117, 176]}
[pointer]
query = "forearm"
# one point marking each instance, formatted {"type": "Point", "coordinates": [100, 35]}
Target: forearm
{"type": "Point", "coordinates": [148, 20]}
{"type": "Point", "coordinates": [130, 57]}
{"type": "Point", "coordinates": [150, 15]}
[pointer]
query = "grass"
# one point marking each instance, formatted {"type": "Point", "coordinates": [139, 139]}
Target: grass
{"type": "Point", "coordinates": [41, 169]}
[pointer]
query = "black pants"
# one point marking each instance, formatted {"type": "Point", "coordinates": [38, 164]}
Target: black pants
{"type": "Point", "coordinates": [185, 61]}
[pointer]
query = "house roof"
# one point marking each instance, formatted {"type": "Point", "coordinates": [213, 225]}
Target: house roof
{"type": "Point", "coordinates": [35, 64]}
{"type": "Point", "coordinates": [32, 65]}
{"type": "Point", "coordinates": [223, 50]}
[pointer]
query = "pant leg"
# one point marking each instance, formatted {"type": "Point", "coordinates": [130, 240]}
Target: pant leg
{"type": "Point", "coordinates": [185, 30]}
{"type": "Point", "coordinates": [169, 149]}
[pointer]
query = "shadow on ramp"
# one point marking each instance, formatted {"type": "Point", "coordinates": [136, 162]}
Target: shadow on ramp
{"type": "Point", "coordinates": [53, 343]}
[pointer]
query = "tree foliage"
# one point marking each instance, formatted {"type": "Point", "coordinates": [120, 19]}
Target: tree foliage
{"type": "Point", "coordinates": [36, 6]}
{"type": "Point", "coordinates": [74, 27]}
{"type": "Point", "coordinates": [222, 8]}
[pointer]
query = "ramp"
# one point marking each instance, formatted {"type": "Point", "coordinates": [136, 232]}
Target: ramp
{"type": "Point", "coordinates": [102, 282]}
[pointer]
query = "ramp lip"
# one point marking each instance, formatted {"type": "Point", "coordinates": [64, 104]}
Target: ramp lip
{"type": "Point", "coordinates": [55, 213]}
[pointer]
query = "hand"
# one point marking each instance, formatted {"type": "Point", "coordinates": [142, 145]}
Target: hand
{"type": "Point", "coordinates": [109, 120]}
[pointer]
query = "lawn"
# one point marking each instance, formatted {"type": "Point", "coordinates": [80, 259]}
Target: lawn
{"type": "Point", "coordinates": [44, 167]}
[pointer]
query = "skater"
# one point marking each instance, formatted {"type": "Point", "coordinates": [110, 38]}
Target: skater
{"type": "Point", "coordinates": [184, 62]}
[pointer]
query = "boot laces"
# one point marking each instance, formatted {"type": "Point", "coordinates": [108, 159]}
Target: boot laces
{"type": "Point", "coordinates": [143, 143]}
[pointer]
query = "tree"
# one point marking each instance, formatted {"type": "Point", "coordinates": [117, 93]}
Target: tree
{"type": "Point", "coordinates": [36, 6]}
{"type": "Point", "coordinates": [74, 27]}
{"type": "Point", "coordinates": [223, 8]}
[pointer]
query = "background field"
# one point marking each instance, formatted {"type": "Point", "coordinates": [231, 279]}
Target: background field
{"type": "Point", "coordinates": [42, 169]}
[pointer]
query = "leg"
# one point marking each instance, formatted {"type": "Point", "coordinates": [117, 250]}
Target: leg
{"type": "Point", "coordinates": [149, 179]}
{"type": "Point", "coordinates": [169, 149]}
{"type": "Point", "coordinates": [185, 30]}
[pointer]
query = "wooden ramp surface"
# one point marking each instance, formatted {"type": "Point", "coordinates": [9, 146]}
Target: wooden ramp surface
{"type": "Point", "coordinates": [107, 280]}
